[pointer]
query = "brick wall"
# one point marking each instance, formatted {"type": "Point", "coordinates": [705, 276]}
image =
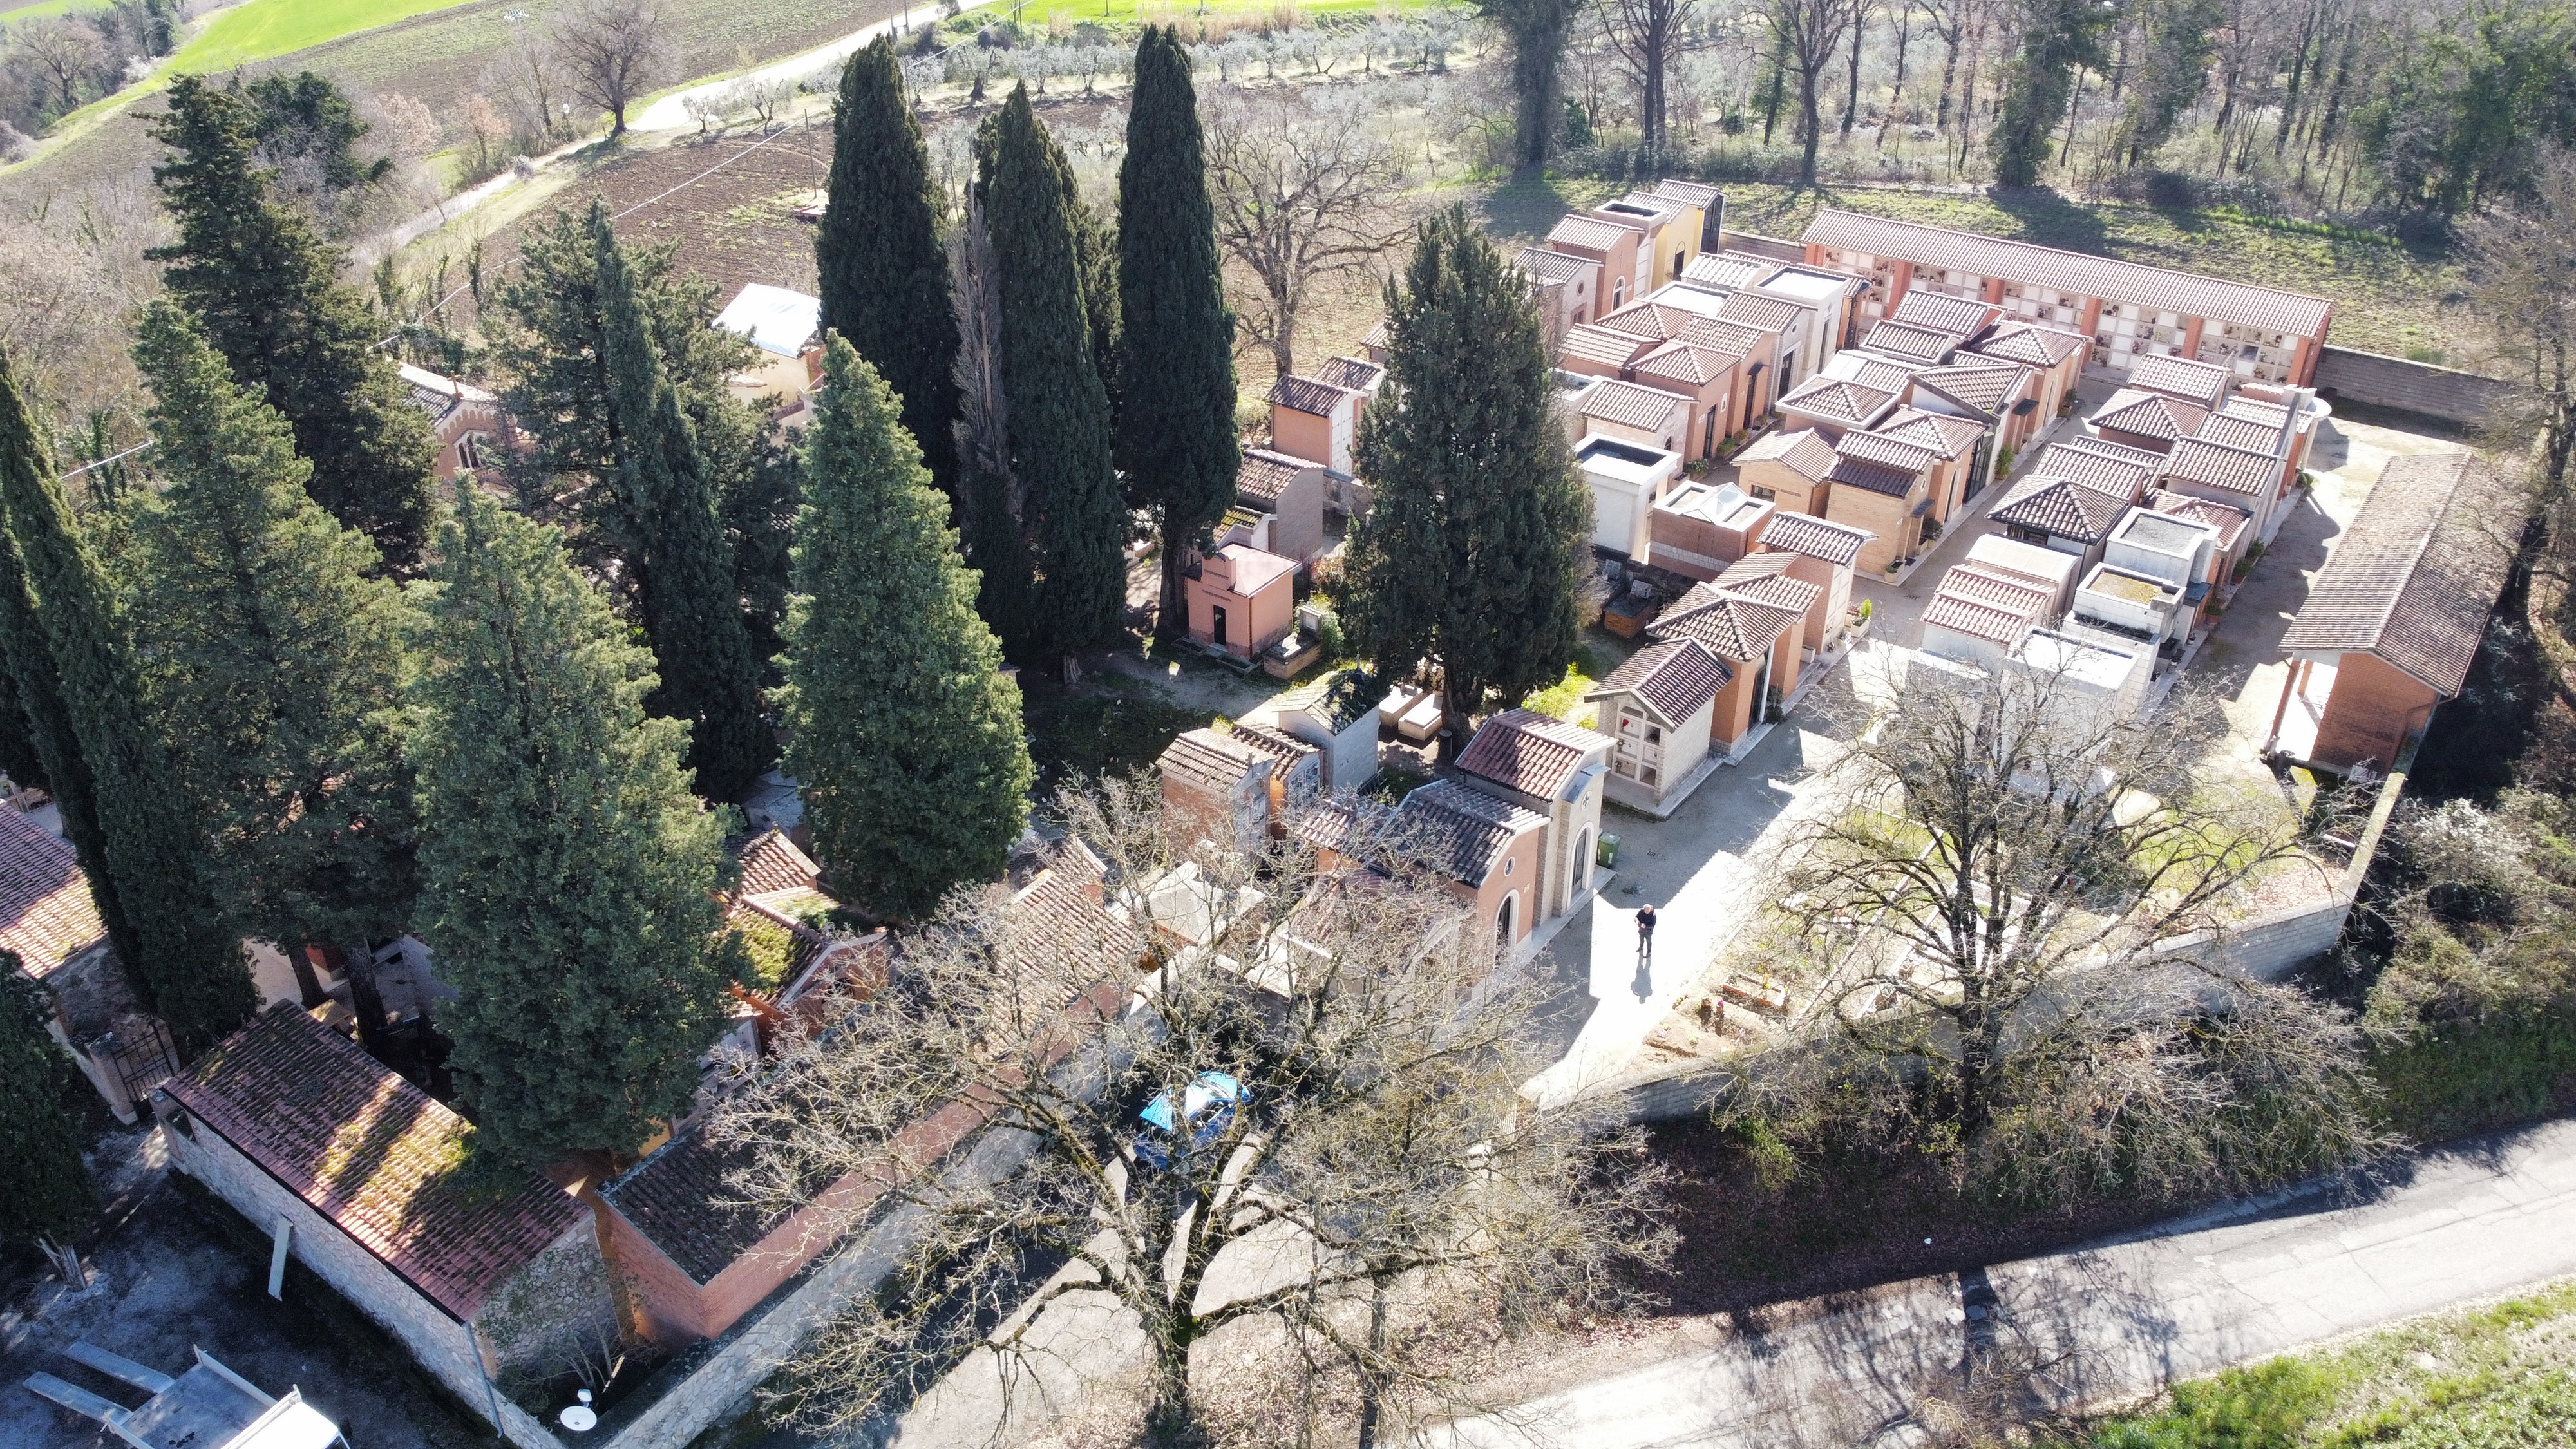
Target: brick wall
{"type": "Point", "coordinates": [2370, 712]}
{"type": "Point", "coordinates": [2415, 387]}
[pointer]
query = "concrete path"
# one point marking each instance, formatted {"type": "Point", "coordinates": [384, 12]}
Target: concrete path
{"type": "Point", "coordinates": [2114, 1321]}
{"type": "Point", "coordinates": [670, 112]}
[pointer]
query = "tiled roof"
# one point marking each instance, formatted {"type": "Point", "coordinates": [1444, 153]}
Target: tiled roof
{"type": "Point", "coordinates": [1985, 384]}
{"type": "Point", "coordinates": [1967, 616]}
{"type": "Point", "coordinates": [1688, 193]}
{"type": "Point", "coordinates": [2234, 469]}
{"type": "Point", "coordinates": [1851, 472]}
{"type": "Point", "coordinates": [1553, 266]}
{"type": "Point", "coordinates": [1588, 233]}
{"type": "Point", "coordinates": [1816, 538]}
{"type": "Point", "coordinates": [1533, 753]}
{"type": "Point", "coordinates": [46, 914]}
{"type": "Point", "coordinates": [1922, 345]}
{"type": "Point", "coordinates": [1941, 312]}
{"type": "Point", "coordinates": [771, 862]}
{"type": "Point", "coordinates": [677, 1198]}
{"type": "Point", "coordinates": [1947, 434]}
{"type": "Point", "coordinates": [1210, 761]}
{"type": "Point", "coordinates": [1054, 928]}
{"type": "Point", "coordinates": [2150, 414]}
{"type": "Point", "coordinates": [1656, 320]}
{"type": "Point", "coordinates": [2030, 343]}
{"type": "Point", "coordinates": [2254, 409]}
{"type": "Point", "coordinates": [1632, 406]}
{"type": "Point", "coordinates": [1339, 698]}
{"type": "Point", "coordinates": [373, 1154]}
{"type": "Point", "coordinates": [1804, 452]}
{"type": "Point", "coordinates": [2227, 518]}
{"type": "Point", "coordinates": [1998, 590]}
{"type": "Point", "coordinates": [1679, 362]}
{"type": "Point", "coordinates": [1887, 452]}
{"type": "Point", "coordinates": [1852, 365]}
{"type": "Point", "coordinates": [1348, 824]}
{"type": "Point", "coordinates": [1731, 625]}
{"type": "Point", "coordinates": [1674, 678]}
{"type": "Point", "coordinates": [1356, 373]}
{"type": "Point", "coordinates": [1753, 568]}
{"type": "Point", "coordinates": [2065, 507]}
{"type": "Point", "coordinates": [2412, 580]}
{"type": "Point", "coordinates": [1725, 271]}
{"type": "Point", "coordinates": [2104, 448]}
{"type": "Point", "coordinates": [1835, 399]}
{"type": "Point", "coordinates": [1739, 339]}
{"type": "Point", "coordinates": [2250, 434]}
{"type": "Point", "coordinates": [1285, 752]}
{"type": "Point", "coordinates": [2201, 382]}
{"type": "Point", "coordinates": [1376, 336]}
{"type": "Point", "coordinates": [1771, 314]}
{"type": "Point", "coordinates": [1460, 829]}
{"type": "Point", "coordinates": [2129, 282]}
{"type": "Point", "coordinates": [1603, 345]}
{"type": "Point", "coordinates": [1266, 474]}
{"type": "Point", "coordinates": [1306, 395]}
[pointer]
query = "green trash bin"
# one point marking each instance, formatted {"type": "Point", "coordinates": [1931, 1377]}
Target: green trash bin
{"type": "Point", "coordinates": [1606, 854]}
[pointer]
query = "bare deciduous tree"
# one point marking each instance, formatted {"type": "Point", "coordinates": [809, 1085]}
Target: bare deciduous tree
{"type": "Point", "coordinates": [1650, 37]}
{"type": "Point", "coordinates": [1303, 192]}
{"type": "Point", "coordinates": [67, 50]}
{"type": "Point", "coordinates": [2526, 292]}
{"type": "Point", "coordinates": [529, 79]}
{"type": "Point", "coordinates": [611, 51]}
{"type": "Point", "coordinates": [1997, 915]}
{"type": "Point", "coordinates": [1808, 33]}
{"type": "Point", "coordinates": [1376, 1199]}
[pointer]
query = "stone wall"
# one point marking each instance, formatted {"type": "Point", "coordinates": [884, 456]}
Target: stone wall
{"type": "Point", "coordinates": [2415, 387]}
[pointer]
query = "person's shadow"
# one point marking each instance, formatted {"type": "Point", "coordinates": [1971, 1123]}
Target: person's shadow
{"type": "Point", "coordinates": [1644, 985]}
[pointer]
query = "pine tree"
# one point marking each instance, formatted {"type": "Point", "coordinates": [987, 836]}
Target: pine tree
{"type": "Point", "coordinates": [1059, 411]}
{"type": "Point", "coordinates": [183, 962]}
{"type": "Point", "coordinates": [1176, 437]}
{"type": "Point", "coordinates": [683, 571]}
{"type": "Point", "coordinates": [567, 877]}
{"type": "Point", "coordinates": [265, 286]}
{"type": "Point", "coordinates": [46, 1196]}
{"type": "Point", "coordinates": [38, 687]}
{"type": "Point", "coordinates": [901, 726]}
{"type": "Point", "coordinates": [276, 662]}
{"type": "Point", "coordinates": [1475, 544]}
{"type": "Point", "coordinates": [883, 270]}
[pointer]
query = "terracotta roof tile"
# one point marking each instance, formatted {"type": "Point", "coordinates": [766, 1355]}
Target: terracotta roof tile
{"type": "Point", "coordinates": [1211, 761]}
{"type": "Point", "coordinates": [1805, 452]}
{"type": "Point", "coordinates": [1306, 395]}
{"type": "Point", "coordinates": [1923, 346]}
{"type": "Point", "coordinates": [771, 862]}
{"type": "Point", "coordinates": [1836, 400]}
{"type": "Point", "coordinates": [1724, 271]}
{"type": "Point", "coordinates": [1629, 405]}
{"type": "Point", "coordinates": [1533, 753]}
{"type": "Point", "coordinates": [1960, 316]}
{"type": "Point", "coordinates": [1587, 233]}
{"type": "Point", "coordinates": [2101, 463]}
{"type": "Point", "coordinates": [1285, 752]}
{"type": "Point", "coordinates": [1737, 339]}
{"type": "Point", "coordinates": [1266, 474]}
{"type": "Point", "coordinates": [1674, 678]}
{"type": "Point", "coordinates": [2065, 507]}
{"type": "Point", "coordinates": [1459, 828]}
{"type": "Point", "coordinates": [1771, 314]}
{"type": "Point", "coordinates": [1947, 434]}
{"type": "Point", "coordinates": [1553, 266]}
{"type": "Point", "coordinates": [1730, 625]}
{"type": "Point", "coordinates": [1653, 320]}
{"type": "Point", "coordinates": [46, 914]}
{"type": "Point", "coordinates": [1688, 193]}
{"type": "Point", "coordinates": [2150, 414]}
{"type": "Point", "coordinates": [2030, 344]}
{"type": "Point", "coordinates": [1851, 472]}
{"type": "Point", "coordinates": [1816, 538]}
{"type": "Point", "coordinates": [1339, 699]}
{"type": "Point", "coordinates": [2183, 377]}
{"type": "Point", "coordinates": [1887, 452]}
{"type": "Point", "coordinates": [2227, 518]}
{"type": "Point", "coordinates": [2251, 434]}
{"type": "Point", "coordinates": [1376, 338]}
{"type": "Point", "coordinates": [1996, 589]}
{"type": "Point", "coordinates": [373, 1154]}
{"type": "Point", "coordinates": [1986, 384]}
{"type": "Point", "coordinates": [2164, 289]}
{"type": "Point", "coordinates": [1604, 345]}
{"type": "Point", "coordinates": [1356, 373]}
{"type": "Point", "coordinates": [2414, 577]}
{"type": "Point", "coordinates": [1871, 372]}
{"type": "Point", "coordinates": [1980, 621]}
{"type": "Point", "coordinates": [1683, 364]}
{"type": "Point", "coordinates": [2198, 460]}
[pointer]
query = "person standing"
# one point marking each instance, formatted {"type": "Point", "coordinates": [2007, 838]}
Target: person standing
{"type": "Point", "coordinates": [1646, 931]}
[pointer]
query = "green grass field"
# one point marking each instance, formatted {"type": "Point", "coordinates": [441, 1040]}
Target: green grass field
{"type": "Point", "coordinates": [1242, 13]}
{"type": "Point", "coordinates": [265, 29]}
{"type": "Point", "coordinates": [11, 14]}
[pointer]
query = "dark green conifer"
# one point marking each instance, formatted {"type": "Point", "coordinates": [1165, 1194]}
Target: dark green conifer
{"type": "Point", "coordinates": [275, 659]}
{"type": "Point", "coordinates": [1058, 424]}
{"type": "Point", "coordinates": [1475, 544]}
{"type": "Point", "coordinates": [1176, 438]}
{"type": "Point", "coordinates": [902, 728]}
{"type": "Point", "coordinates": [184, 963]}
{"type": "Point", "coordinates": [884, 274]}
{"type": "Point", "coordinates": [567, 876]}
{"type": "Point", "coordinates": [46, 1196]}
{"type": "Point", "coordinates": [683, 571]}
{"type": "Point", "coordinates": [266, 289]}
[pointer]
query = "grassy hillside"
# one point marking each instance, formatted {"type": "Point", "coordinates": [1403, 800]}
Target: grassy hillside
{"type": "Point", "coordinates": [265, 29]}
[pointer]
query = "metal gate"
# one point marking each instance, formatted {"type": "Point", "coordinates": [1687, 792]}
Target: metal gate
{"type": "Point", "coordinates": [142, 1057]}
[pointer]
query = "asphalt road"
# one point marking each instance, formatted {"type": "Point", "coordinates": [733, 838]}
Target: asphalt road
{"type": "Point", "coordinates": [2110, 1322]}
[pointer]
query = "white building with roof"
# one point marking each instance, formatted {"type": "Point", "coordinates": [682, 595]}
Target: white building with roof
{"type": "Point", "coordinates": [1627, 481]}
{"type": "Point", "coordinates": [786, 328]}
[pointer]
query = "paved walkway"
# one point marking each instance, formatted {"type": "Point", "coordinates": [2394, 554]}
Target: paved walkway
{"type": "Point", "coordinates": [2119, 1319]}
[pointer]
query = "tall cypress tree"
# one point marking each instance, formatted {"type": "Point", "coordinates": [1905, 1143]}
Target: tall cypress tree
{"type": "Point", "coordinates": [901, 726]}
{"type": "Point", "coordinates": [2056, 37]}
{"type": "Point", "coordinates": [1059, 410]}
{"type": "Point", "coordinates": [1176, 348]}
{"type": "Point", "coordinates": [265, 285]}
{"type": "Point", "coordinates": [1475, 544]}
{"type": "Point", "coordinates": [684, 574]}
{"type": "Point", "coordinates": [46, 1196]}
{"type": "Point", "coordinates": [567, 876]}
{"type": "Point", "coordinates": [883, 271]}
{"type": "Point", "coordinates": [184, 962]}
{"type": "Point", "coordinates": [276, 660]}
{"type": "Point", "coordinates": [38, 686]}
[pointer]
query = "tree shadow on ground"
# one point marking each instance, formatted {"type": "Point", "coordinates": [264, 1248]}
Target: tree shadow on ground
{"type": "Point", "coordinates": [2053, 220]}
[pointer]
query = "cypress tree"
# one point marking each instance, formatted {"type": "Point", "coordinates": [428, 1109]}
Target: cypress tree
{"type": "Point", "coordinates": [2056, 37]}
{"type": "Point", "coordinates": [265, 286]}
{"type": "Point", "coordinates": [884, 274]}
{"type": "Point", "coordinates": [567, 877]}
{"type": "Point", "coordinates": [46, 1196]}
{"type": "Point", "coordinates": [183, 962]}
{"type": "Point", "coordinates": [989, 501]}
{"type": "Point", "coordinates": [683, 571]}
{"type": "Point", "coordinates": [276, 661]}
{"type": "Point", "coordinates": [38, 688]}
{"type": "Point", "coordinates": [1475, 544]}
{"type": "Point", "coordinates": [1059, 411]}
{"type": "Point", "coordinates": [901, 726]}
{"type": "Point", "coordinates": [1176, 437]}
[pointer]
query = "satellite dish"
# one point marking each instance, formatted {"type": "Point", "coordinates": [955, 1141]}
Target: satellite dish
{"type": "Point", "coordinates": [579, 1418]}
